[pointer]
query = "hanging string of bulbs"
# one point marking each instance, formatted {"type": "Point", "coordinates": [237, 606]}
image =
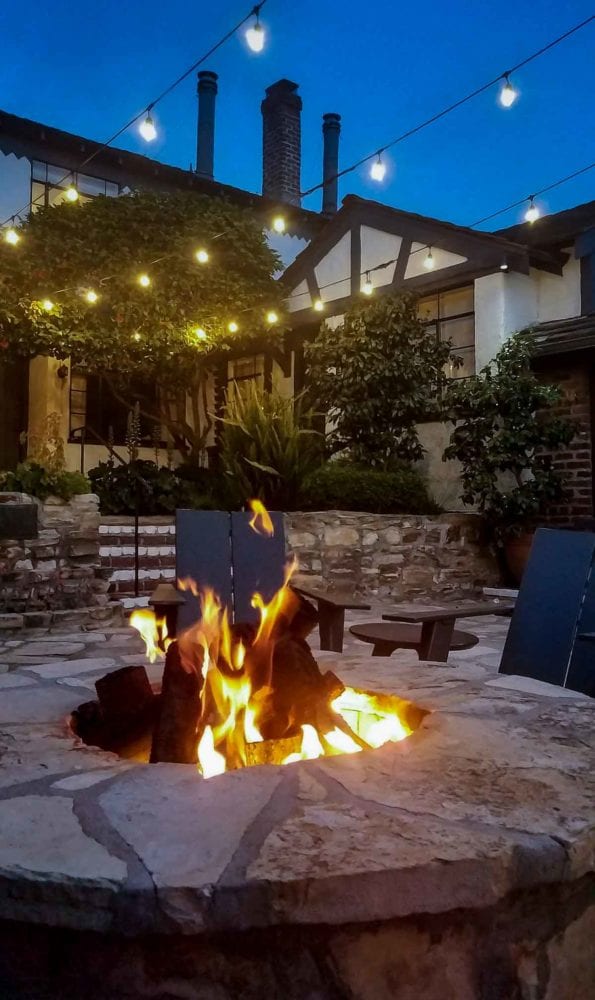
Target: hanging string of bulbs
{"type": "Point", "coordinates": [531, 215]}
{"type": "Point", "coordinates": [507, 96]}
{"type": "Point", "coordinates": [255, 37]}
{"type": "Point", "coordinates": [143, 278]}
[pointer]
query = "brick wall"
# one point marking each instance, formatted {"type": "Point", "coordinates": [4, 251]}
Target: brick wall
{"type": "Point", "coordinates": [157, 552]}
{"type": "Point", "coordinates": [574, 462]}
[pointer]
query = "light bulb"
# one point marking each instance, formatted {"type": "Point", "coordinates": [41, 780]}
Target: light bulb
{"type": "Point", "coordinates": [144, 280]}
{"type": "Point", "coordinates": [504, 266]}
{"type": "Point", "coordinates": [136, 336]}
{"type": "Point", "coordinates": [72, 193]}
{"type": "Point", "coordinates": [367, 287]}
{"type": "Point", "coordinates": [279, 224]}
{"type": "Point", "coordinates": [47, 305]}
{"type": "Point", "coordinates": [255, 36]}
{"type": "Point", "coordinates": [508, 94]}
{"type": "Point", "coordinates": [378, 169]}
{"type": "Point", "coordinates": [532, 213]}
{"type": "Point", "coordinates": [233, 326]}
{"type": "Point", "coordinates": [272, 317]}
{"type": "Point", "coordinates": [319, 305]}
{"type": "Point", "coordinates": [147, 128]}
{"type": "Point", "coordinates": [200, 334]}
{"type": "Point", "coordinates": [429, 262]}
{"type": "Point", "coordinates": [91, 296]}
{"type": "Point", "coordinates": [202, 256]}
{"type": "Point", "coordinates": [11, 236]}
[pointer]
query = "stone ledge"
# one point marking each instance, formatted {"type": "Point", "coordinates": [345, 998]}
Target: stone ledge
{"type": "Point", "coordinates": [492, 796]}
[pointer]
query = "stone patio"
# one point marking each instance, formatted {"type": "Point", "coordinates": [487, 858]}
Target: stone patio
{"type": "Point", "coordinates": [456, 864]}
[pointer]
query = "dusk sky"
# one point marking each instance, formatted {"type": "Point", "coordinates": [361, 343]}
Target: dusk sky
{"type": "Point", "coordinates": [383, 66]}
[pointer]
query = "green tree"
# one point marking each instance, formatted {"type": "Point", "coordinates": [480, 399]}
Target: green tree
{"type": "Point", "coordinates": [505, 435]}
{"type": "Point", "coordinates": [377, 375]}
{"type": "Point", "coordinates": [104, 245]}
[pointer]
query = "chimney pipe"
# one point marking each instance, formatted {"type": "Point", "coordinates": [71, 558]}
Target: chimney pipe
{"type": "Point", "coordinates": [281, 142]}
{"type": "Point", "coordinates": [206, 88]}
{"type": "Point", "coordinates": [331, 130]}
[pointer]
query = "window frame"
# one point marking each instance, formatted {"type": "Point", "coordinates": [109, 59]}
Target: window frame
{"type": "Point", "coordinates": [439, 320]}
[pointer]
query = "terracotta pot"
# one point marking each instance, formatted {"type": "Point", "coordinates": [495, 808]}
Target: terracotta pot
{"type": "Point", "coordinates": [516, 553]}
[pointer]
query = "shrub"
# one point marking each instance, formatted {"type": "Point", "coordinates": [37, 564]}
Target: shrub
{"type": "Point", "coordinates": [505, 436]}
{"type": "Point", "coordinates": [269, 447]}
{"type": "Point", "coordinates": [342, 486]}
{"type": "Point", "coordinates": [155, 490]}
{"type": "Point", "coordinates": [40, 482]}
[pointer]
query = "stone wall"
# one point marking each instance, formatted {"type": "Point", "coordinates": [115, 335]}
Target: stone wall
{"type": "Point", "coordinates": [387, 555]}
{"type": "Point", "coordinates": [382, 555]}
{"type": "Point", "coordinates": [60, 569]}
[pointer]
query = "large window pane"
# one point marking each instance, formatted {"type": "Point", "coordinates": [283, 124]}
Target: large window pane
{"type": "Point", "coordinates": [427, 308]}
{"type": "Point", "coordinates": [454, 303]}
{"type": "Point", "coordinates": [461, 332]}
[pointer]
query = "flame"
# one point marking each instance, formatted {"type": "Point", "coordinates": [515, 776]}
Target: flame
{"type": "Point", "coordinates": [261, 523]}
{"type": "Point", "coordinates": [237, 695]}
{"type": "Point", "coordinates": [153, 630]}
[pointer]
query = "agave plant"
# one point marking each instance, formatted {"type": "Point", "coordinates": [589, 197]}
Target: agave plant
{"type": "Point", "coordinates": [269, 445]}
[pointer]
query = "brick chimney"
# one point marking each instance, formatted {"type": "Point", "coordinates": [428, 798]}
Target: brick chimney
{"type": "Point", "coordinates": [281, 142]}
{"type": "Point", "coordinates": [206, 88]}
{"type": "Point", "coordinates": [331, 130]}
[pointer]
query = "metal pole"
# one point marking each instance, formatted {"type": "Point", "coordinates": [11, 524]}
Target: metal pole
{"type": "Point", "coordinates": [136, 588]}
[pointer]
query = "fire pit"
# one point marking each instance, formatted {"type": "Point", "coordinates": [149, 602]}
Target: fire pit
{"type": "Point", "coordinates": [455, 863]}
{"type": "Point", "coordinates": [236, 696]}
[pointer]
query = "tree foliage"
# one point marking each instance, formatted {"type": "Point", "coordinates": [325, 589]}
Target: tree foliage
{"type": "Point", "coordinates": [135, 331]}
{"type": "Point", "coordinates": [504, 436]}
{"type": "Point", "coordinates": [377, 375]}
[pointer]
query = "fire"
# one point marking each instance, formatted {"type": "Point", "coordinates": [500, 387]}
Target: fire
{"type": "Point", "coordinates": [255, 707]}
{"type": "Point", "coordinates": [261, 523]}
{"type": "Point", "coordinates": [153, 630]}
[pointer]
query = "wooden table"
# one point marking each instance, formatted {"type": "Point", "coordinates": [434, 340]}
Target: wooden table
{"type": "Point", "coordinates": [331, 606]}
{"type": "Point", "coordinates": [388, 636]}
{"type": "Point", "coordinates": [438, 622]}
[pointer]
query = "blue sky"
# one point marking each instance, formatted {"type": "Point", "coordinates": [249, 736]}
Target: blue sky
{"type": "Point", "coordinates": [383, 66]}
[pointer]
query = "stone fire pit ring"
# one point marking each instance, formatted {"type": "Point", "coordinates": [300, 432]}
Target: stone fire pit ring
{"type": "Point", "coordinates": [394, 859]}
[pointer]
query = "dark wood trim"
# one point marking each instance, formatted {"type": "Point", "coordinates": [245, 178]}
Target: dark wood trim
{"type": "Point", "coordinates": [356, 259]}
{"type": "Point", "coordinates": [401, 265]}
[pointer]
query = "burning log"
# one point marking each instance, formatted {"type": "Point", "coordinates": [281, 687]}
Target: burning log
{"type": "Point", "coordinates": [126, 699]}
{"type": "Point", "coordinates": [175, 734]}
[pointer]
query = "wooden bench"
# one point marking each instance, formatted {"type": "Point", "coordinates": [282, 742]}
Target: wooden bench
{"type": "Point", "coordinates": [331, 607]}
{"type": "Point", "coordinates": [437, 623]}
{"type": "Point", "coordinates": [387, 637]}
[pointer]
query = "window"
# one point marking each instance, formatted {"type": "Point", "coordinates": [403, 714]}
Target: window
{"type": "Point", "coordinates": [242, 371]}
{"type": "Point", "coordinates": [451, 315]}
{"type": "Point", "coordinates": [94, 407]}
{"type": "Point", "coordinates": [49, 183]}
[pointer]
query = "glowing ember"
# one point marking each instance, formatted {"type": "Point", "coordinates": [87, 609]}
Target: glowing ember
{"type": "Point", "coordinates": [264, 699]}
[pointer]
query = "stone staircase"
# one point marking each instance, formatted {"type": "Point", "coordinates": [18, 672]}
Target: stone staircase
{"type": "Point", "coordinates": [157, 553]}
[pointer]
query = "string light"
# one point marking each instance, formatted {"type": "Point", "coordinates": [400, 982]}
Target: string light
{"type": "Point", "coordinates": [233, 326]}
{"type": "Point", "coordinates": [272, 317]}
{"type": "Point", "coordinates": [200, 334]}
{"type": "Point", "coordinates": [11, 236]}
{"type": "Point", "coordinates": [279, 224]}
{"type": "Point", "coordinates": [532, 214]}
{"type": "Point", "coordinates": [147, 127]}
{"type": "Point", "coordinates": [255, 34]}
{"type": "Point", "coordinates": [202, 256]}
{"type": "Point", "coordinates": [367, 287]}
{"type": "Point", "coordinates": [318, 305]}
{"type": "Point", "coordinates": [47, 305]}
{"type": "Point", "coordinates": [504, 266]}
{"type": "Point", "coordinates": [429, 262]}
{"type": "Point", "coordinates": [449, 109]}
{"type": "Point", "coordinates": [91, 296]}
{"type": "Point", "coordinates": [508, 94]}
{"type": "Point", "coordinates": [144, 280]}
{"type": "Point", "coordinates": [136, 336]}
{"type": "Point", "coordinates": [72, 193]}
{"type": "Point", "coordinates": [378, 169]}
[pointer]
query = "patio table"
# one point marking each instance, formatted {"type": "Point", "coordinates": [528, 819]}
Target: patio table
{"type": "Point", "coordinates": [331, 606]}
{"type": "Point", "coordinates": [438, 622]}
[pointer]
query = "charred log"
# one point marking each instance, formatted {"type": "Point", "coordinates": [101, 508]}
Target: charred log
{"type": "Point", "coordinates": [126, 699]}
{"type": "Point", "coordinates": [175, 734]}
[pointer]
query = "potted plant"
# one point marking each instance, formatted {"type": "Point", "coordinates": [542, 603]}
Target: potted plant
{"type": "Point", "coordinates": [505, 436]}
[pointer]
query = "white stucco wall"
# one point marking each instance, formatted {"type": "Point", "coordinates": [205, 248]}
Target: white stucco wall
{"type": "Point", "coordinates": [334, 270]}
{"type": "Point", "coordinates": [559, 297]}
